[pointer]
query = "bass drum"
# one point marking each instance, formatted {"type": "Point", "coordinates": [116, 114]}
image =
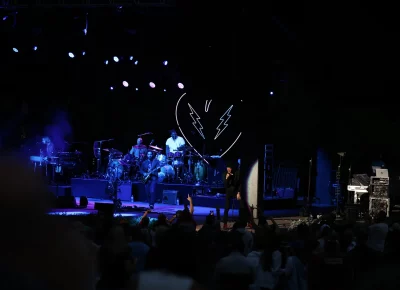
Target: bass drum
{"type": "Point", "coordinates": [200, 171]}
{"type": "Point", "coordinates": [115, 168]}
{"type": "Point", "coordinates": [161, 177]}
{"type": "Point", "coordinates": [168, 171]}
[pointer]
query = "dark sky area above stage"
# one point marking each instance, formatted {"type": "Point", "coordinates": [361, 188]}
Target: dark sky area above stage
{"type": "Point", "coordinates": [328, 79]}
{"type": "Point", "coordinates": [119, 73]}
{"type": "Point", "coordinates": [331, 80]}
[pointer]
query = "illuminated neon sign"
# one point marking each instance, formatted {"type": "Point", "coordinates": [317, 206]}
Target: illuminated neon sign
{"type": "Point", "coordinates": [196, 123]}
{"type": "Point", "coordinates": [224, 119]}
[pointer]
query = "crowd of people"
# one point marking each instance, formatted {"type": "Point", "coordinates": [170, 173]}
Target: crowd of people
{"type": "Point", "coordinates": [44, 252]}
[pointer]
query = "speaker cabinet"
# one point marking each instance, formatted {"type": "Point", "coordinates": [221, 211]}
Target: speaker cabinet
{"type": "Point", "coordinates": [170, 197]}
{"type": "Point", "coordinates": [124, 192]}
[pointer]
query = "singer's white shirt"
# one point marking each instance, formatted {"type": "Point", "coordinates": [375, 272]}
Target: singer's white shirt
{"type": "Point", "coordinates": [175, 144]}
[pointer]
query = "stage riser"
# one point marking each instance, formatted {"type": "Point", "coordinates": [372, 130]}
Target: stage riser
{"type": "Point", "coordinates": [97, 188]}
{"type": "Point", "coordinates": [92, 188]}
{"type": "Point", "coordinates": [280, 203]}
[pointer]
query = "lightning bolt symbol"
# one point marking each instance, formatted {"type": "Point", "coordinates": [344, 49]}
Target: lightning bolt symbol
{"type": "Point", "coordinates": [196, 121]}
{"type": "Point", "coordinates": [224, 119]}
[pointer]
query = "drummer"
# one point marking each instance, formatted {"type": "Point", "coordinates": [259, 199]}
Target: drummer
{"type": "Point", "coordinates": [139, 150]}
{"type": "Point", "coordinates": [174, 144]}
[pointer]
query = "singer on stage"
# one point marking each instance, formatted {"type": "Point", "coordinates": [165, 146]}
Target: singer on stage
{"type": "Point", "coordinates": [229, 184]}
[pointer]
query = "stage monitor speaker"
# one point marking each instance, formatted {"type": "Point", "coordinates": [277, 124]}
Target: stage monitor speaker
{"type": "Point", "coordinates": [124, 192]}
{"type": "Point", "coordinates": [170, 197]}
{"type": "Point", "coordinates": [83, 202]}
{"type": "Point", "coordinates": [66, 202]}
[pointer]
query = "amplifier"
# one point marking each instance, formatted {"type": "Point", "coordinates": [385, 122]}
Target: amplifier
{"type": "Point", "coordinates": [379, 191]}
{"type": "Point", "coordinates": [170, 197]}
{"type": "Point", "coordinates": [379, 204]}
{"type": "Point", "coordinates": [124, 192]}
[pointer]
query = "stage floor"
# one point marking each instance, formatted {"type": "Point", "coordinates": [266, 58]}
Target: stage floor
{"type": "Point", "coordinates": [283, 217]}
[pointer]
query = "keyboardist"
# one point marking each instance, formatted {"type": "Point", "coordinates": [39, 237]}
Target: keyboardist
{"type": "Point", "coordinates": [48, 149]}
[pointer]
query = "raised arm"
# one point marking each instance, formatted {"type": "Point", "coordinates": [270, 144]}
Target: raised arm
{"type": "Point", "coordinates": [144, 215]}
{"type": "Point", "coordinates": [191, 207]}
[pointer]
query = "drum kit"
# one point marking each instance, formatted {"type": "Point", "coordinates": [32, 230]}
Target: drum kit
{"type": "Point", "coordinates": [172, 166]}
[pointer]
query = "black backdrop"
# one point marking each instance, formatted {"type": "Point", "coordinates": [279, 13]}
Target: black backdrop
{"type": "Point", "coordinates": [45, 87]}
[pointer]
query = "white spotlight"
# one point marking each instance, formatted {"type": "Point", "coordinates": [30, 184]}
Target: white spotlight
{"type": "Point", "coordinates": [136, 62]}
{"type": "Point", "coordinates": [71, 55]}
{"type": "Point", "coordinates": [271, 93]}
{"type": "Point", "coordinates": [106, 62]}
{"type": "Point", "coordinates": [35, 48]}
{"type": "Point", "coordinates": [136, 89]}
{"type": "Point", "coordinates": [131, 58]}
{"type": "Point", "coordinates": [5, 18]}
{"type": "Point", "coordinates": [116, 59]}
{"type": "Point", "coordinates": [15, 49]}
{"type": "Point", "coordinates": [83, 52]}
{"type": "Point", "coordinates": [125, 84]}
{"type": "Point", "coordinates": [111, 88]}
{"type": "Point", "coordinates": [165, 90]}
{"type": "Point", "coordinates": [181, 86]}
{"type": "Point", "coordinates": [152, 85]}
{"type": "Point", "coordinates": [165, 62]}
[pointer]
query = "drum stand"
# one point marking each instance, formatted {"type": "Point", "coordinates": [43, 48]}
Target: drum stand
{"type": "Point", "coordinates": [177, 177]}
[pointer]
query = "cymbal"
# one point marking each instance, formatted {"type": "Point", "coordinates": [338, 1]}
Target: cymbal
{"type": "Point", "coordinates": [112, 151]}
{"type": "Point", "coordinates": [155, 148]}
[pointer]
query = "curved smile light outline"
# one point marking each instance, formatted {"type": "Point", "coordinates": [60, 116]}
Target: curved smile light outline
{"type": "Point", "coordinates": [180, 129]}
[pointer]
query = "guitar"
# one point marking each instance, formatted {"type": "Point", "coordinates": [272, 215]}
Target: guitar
{"type": "Point", "coordinates": [147, 176]}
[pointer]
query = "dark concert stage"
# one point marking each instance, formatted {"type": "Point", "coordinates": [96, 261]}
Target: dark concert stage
{"type": "Point", "coordinates": [205, 198]}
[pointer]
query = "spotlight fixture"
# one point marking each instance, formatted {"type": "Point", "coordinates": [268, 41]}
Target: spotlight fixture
{"type": "Point", "coordinates": [15, 49]}
{"type": "Point", "coordinates": [152, 85]}
{"type": "Point", "coordinates": [116, 59]}
{"type": "Point", "coordinates": [71, 55]}
{"type": "Point", "coordinates": [125, 84]}
{"type": "Point", "coordinates": [181, 86]}
{"type": "Point", "coordinates": [165, 62]}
